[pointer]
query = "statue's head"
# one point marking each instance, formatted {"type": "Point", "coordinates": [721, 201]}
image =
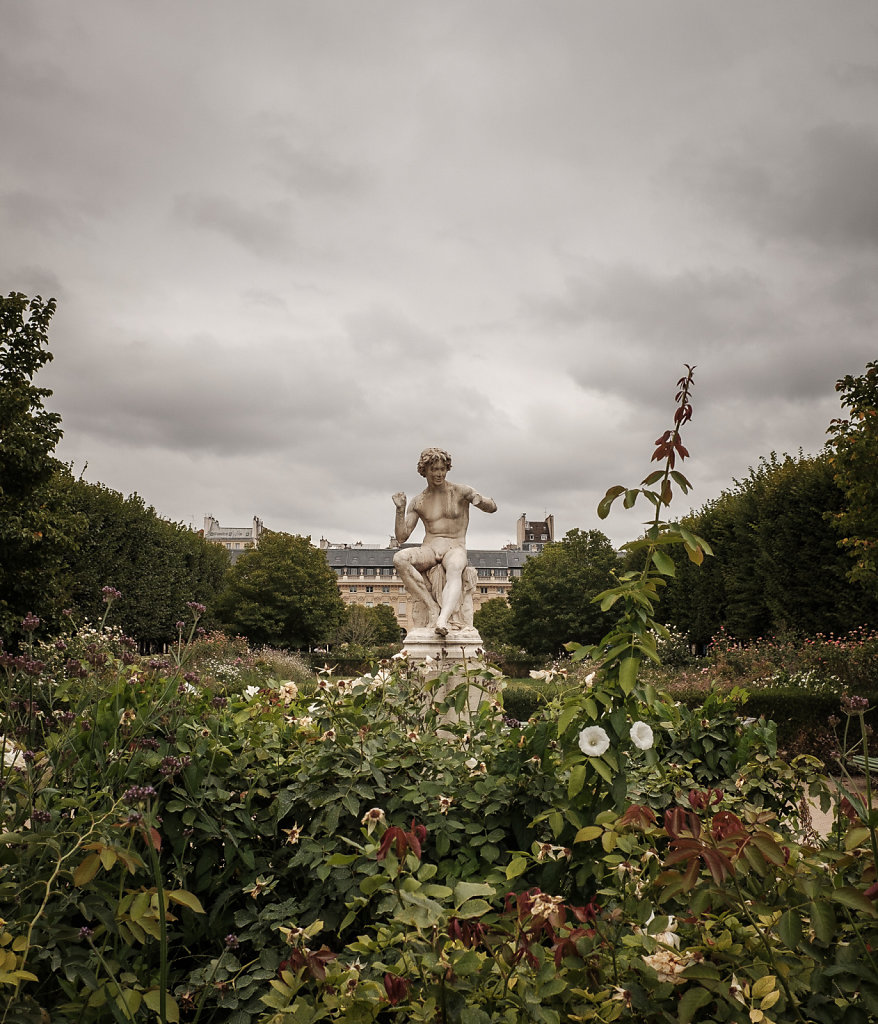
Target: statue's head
{"type": "Point", "coordinates": [431, 455]}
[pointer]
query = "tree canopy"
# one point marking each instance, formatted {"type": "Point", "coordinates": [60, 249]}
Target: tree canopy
{"type": "Point", "coordinates": [777, 563]}
{"type": "Point", "coordinates": [159, 566]}
{"type": "Point", "coordinates": [854, 460]}
{"type": "Point", "coordinates": [282, 593]}
{"type": "Point", "coordinates": [37, 528]}
{"type": "Point", "coordinates": [552, 599]}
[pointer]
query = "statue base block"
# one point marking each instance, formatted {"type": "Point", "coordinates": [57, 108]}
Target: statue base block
{"type": "Point", "coordinates": [457, 646]}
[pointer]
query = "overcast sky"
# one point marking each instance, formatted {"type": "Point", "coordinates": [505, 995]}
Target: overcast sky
{"type": "Point", "coordinates": [293, 243]}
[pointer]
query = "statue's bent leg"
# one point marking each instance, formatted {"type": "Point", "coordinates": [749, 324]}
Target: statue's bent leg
{"type": "Point", "coordinates": [455, 563]}
{"type": "Point", "coordinates": [415, 584]}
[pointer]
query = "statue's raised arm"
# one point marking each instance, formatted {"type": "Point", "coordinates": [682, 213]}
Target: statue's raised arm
{"type": "Point", "coordinates": [443, 507]}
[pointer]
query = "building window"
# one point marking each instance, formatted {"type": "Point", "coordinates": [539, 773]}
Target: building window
{"type": "Point", "coordinates": [484, 574]}
{"type": "Point", "coordinates": [352, 590]}
{"type": "Point", "coordinates": [369, 604]}
{"type": "Point", "coordinates": [401, 590]}
{"type": "Point", "coordinates": [385, 590]}
{"type": "Point", "coordinates": [500, 574]}
{"type": "Point", "coordinates": [369, 590]}
{"type": "Point", "coordinates": [401, 607]}
{"type": "Point", "coordinates": [339, 572]}
{"type": "Point", "coordinates": [484, 590]}
{"type": "Point", "coordinates": [387, 570]}
{"type": "Point", "coordinates": [501, 590]}
{"type": "Point", "coordinates": [370, 570]}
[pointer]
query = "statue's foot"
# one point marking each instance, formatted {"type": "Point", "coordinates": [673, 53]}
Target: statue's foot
{"type": "Point", "coordinates": [441, 630]}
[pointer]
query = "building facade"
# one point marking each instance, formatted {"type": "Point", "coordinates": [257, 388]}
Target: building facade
{"type": "Point", "coordinates": [235, 539]}
{"type": "Point", "coordinates": [534, 535]}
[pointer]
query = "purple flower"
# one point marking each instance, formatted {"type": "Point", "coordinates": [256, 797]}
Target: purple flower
{"type": "Point", "coordinates": [136, 794]}
{"type": "Point", "coordinates": [196, 608]}
{"type": "Point", "coordinates": [110, 594]}
{"type": "Point", "coordinates": [232, 941]}
{"type": "Point", "coordinates": [30, 622]}
{"type": "Point", "coordinates": [85, 933]}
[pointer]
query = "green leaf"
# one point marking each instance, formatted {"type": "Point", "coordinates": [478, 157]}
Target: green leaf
{"type": "Point", "coordinates": [822, 921]}
{"type": "Point", "coordinates": [664, 563]}
{"type": "Point", "coordinates": [606, 502]}
{"type": "Point", "coordinates": [630, 497]}
{"type": "Point", "coordinates": [692, 1001]}
{"type": "Point", "coordinates": [87, 869]}
{"type": "Point", "coordinates": [762, 986]}
{"type": "Point", "coordinates": [473, 908]}
{"type": "Point", "coordinates": [517, 866]}
{"type": "Point", "coordinates": [464, 891]}
{"type": "Point", "coordinates": [186, 899]}
{"type": "Point", "coordinates": [577, 780]}
{"type": "Point", "coordinates": [587, 833]}
{"type": "Point", "coordinates": [789, 927]}
{"type": "Point", "coordinates": [567, 716]}
{"type": "Point", "coordinates": [855, 837]}
{"type": "Point", "coordinates": [854, 900]}
{"type": "Point", "coordinates": [628, 674]}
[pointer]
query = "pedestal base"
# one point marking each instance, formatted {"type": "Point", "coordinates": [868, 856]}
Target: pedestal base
{"type": "Point", "coordinates": [460, 645]}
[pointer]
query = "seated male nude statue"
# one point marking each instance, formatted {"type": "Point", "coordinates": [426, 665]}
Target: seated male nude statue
{"type": "Point", "coordinates": [443, 507]}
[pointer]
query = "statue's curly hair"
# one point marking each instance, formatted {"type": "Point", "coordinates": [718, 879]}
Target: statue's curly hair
{"type": "Point", "coordinates": [431, 455]}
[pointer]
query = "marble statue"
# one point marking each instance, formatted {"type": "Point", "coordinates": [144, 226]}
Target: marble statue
{"type": "Point", "coordinates": [436, 573]}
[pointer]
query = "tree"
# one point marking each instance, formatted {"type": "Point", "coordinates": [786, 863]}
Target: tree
{"type": "Point", "coordinates": [367, 627]}
{"type": "Point", "coordinates": [159, 566]}
{"type": "Point", "coordinates": [552, 599]}
{"type": "Point", "coordinates": [37, 528]}
{"type": "Point", "coordinates": [854, 459]}
{"type": "Point", "coordinates": [777, 563]}
{"type": "Point", "coordinates": [494, 622]}
{"type": "Point", "coordinates": [282, 593]}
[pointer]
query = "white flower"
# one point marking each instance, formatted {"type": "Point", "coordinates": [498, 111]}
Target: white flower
{"type": "Point", "coordinates": [250, 692]}
{"type": "Point", "coordinates": [288, 691]}
{"type": "Point", "coordinates": [589, 679]}
{"type": "Point", "coordinates": [641, 736]}
{"type": "Point", "coordinates": [594, 741]}
{"type": "Point", "coordinates": [538, 674]}
{"type": "Point", "coordinates": [445, 803]}
{"type": "Point", "coordinates": [373, 818]}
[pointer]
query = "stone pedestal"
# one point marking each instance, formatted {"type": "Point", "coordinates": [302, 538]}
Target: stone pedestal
{"type": "Point", "coordinates": [459, 646]}
{"type": "Point", "coordinates": [455, 654]}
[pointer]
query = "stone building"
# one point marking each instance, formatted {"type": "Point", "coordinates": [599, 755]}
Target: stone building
{"type": "Point", "coordinates": [534, 535]}
{"type": "Point", "coordinates": [235, 539]}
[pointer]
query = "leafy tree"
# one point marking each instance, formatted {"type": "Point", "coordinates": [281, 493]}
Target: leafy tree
{"type": "Point", "coordinates": [368, 626]}
{"type": "Point", "coordinates": [387, 627]}
{"type": "Point", "coordinates": [854, 459]}
{"type": "Point", "coordinates": [552, 599]}
{"type": "Point", "coordinates": [778, 566]}
{"type": "Point", "coordinates": [494, 622]}
{"type": "Point", "coordinates": [37, 527]}
{"type": "Point", "coordinates": [282, 593]}
{"type": "Point", "coordinates": [158, 565]}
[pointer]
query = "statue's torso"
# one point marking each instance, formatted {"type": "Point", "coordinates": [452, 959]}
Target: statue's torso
{"type": "Point", "coordinates": [445, 513]}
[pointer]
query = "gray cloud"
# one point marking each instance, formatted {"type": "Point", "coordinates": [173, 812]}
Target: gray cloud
{"type": "Point", "coordinates": [264, 229]}
{"type": "Point", "coordinates": [817, 188]}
